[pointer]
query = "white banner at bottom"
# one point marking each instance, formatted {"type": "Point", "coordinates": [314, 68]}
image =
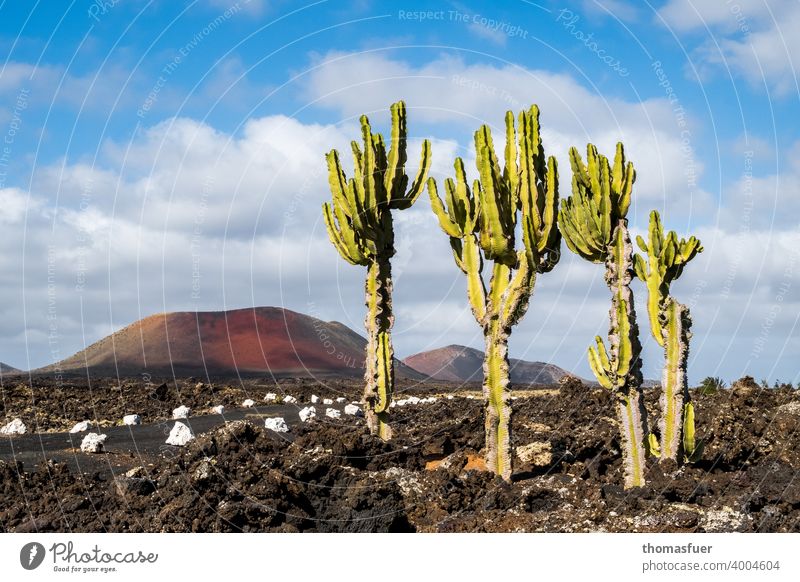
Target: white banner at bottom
{"type": "Point", "coordinates": [333, 557]}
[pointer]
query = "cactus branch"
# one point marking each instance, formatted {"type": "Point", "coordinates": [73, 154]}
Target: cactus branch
{"type": "Point", "coordinates": [670, 324]}
{"type": "Point", "coordinates": [359, 224]}
{"type": "Point", "coordinates": [481, 223]}
{"type": "Point", "coordinates": [594, 224]}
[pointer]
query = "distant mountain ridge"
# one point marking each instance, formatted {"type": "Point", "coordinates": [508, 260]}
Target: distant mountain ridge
{"type": "Point", "coordinates": [6, 369]}
{"type": "Point", "coordinates": [259, 340]}
{"type": "Point", "coordinates": [455, 363]}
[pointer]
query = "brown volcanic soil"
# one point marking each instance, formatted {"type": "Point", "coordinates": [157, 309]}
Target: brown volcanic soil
{"type": "Point", "coordinates": [462, 364]}
{"type": "Point", "coordinates": [330, 475]}
{"type": "Point", "coordinates": [260, 340]}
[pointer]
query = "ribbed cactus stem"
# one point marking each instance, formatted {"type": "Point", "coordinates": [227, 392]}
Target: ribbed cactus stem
{"type": "Point", "coordinates": [623, 336]}
{"type": "Point", "coordinates": [674, 386]}
{"type": "Point", "coordinates": [379, 375]}
{"type": "Point", "coordinates": [632, 418]}
{"type": "Point", "coordinates": [360, 226]}
{"type": "Point", "coordinates": [481, 224]}
{"type": "Point", "coordinates": [497, 400]}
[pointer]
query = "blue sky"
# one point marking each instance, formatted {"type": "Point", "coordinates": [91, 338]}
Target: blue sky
{"type": "Point", "coordinates": [157, 144]}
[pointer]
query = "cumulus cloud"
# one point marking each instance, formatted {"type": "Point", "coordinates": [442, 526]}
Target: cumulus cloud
{"type": "Point", "coordinates": [572, 114]}
{"type": "Point", "coordinates": [753, 38]}
{"type": "Point", "coordinates": [185, 217]}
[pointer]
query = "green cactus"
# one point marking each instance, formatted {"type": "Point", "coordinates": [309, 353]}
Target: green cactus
{"type": "Point", "coordinates": [594, 225]}
{"type": "Point", "coordinates": [360, 226]}
{"type": "Point", "coordinates": [670, 324]}
{"type": "Point", "coordinates": [481, 224]}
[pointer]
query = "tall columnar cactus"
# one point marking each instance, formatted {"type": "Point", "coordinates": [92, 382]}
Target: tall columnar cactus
{"type": "Point", "coordinates": [481, 223]}
{"type": "Point", "coordinates": [594, 224]}
{"type": "Point", "coordinates": [359, 224]}
{"type": "Point", "coordinates": [670, 325]}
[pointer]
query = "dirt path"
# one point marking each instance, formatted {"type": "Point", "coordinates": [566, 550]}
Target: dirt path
{"type": "Point", "coordinates": [127, 446]}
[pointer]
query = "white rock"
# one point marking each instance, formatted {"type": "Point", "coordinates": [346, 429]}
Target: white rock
{"type": "Point", "coordinates": [219, 409]}
{"type": "Point", "coordinates": [82, 426]}
{"type": "Point", "coordinates": [16, 426]}
{"type": "Point", "coordinates": [450, 396]}
{"type": "Point", "coordinates": [327, 401]}
{"type": "Point", "coordinates": [249, 403]}
{"type": "Point", "coordinates": [93, 443]}
{"type": "Point", "coordinates": [308, 413]}
{"type": "Point", "coordinates": [180, 435]}
{"type": "Point", "coordinates": [270, 397]}
{"type": "Point", "coordinates": [314, 399]}
{"type": "Point", "coordinates": [341, 399]}
{"type": "Point", "coordinates": [333, 413]}
{"type": "Point", "coordinates": [289, 399]}
{"type": "Point", "coordinates": [352, 410]}
{"type": "Point", "coordinates": [277, 424]}
{"type": "Point", "coordinates": [131, 419]}
{"type": "Point", "coordinates": [181, 412]}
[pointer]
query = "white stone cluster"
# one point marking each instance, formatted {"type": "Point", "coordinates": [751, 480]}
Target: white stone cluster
{"type": "Point", "coordinates": [131, 419]}
{"type": "Point", "coordinates": [16, 426]}
{"type": "Point", "coordinates": [413, 400]}
{"type": "Point", "coordinates": [276, 424]}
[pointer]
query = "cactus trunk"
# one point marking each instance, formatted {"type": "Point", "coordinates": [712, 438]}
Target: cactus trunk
{"type": "Point", "coordinates": [496, 396]}
{"type": "Point", "coordinates": [674, 390]}
{"type": "Point", "coordinates": [379, 373]}
{"type": "Point", "coordinates": [623, 335]}
{"type": "Point", "coordinates": [632, 426]}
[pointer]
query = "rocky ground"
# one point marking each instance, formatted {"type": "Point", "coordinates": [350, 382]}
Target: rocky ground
{"type": "Point", "coordinates": [330, 475]}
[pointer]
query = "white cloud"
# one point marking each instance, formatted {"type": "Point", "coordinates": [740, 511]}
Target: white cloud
{"type": "Point", "coordinates": [754, 38]}
{"type": "Point", "coordinates": [185, 204]}
{"type": "Point", "coordinates": [456, 96]}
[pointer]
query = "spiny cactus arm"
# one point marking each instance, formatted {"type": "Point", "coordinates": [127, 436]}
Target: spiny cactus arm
{"type": "Point", "coordinates": [600, 365]}
{"type": "Point", "coordinates": [369, 171]}
{"type": "Point", "coordinates": [338, 183]}
{"type": "Point", "coordinates": [448, 225]}
{"type": "Point", "coordinates": [495, 200]}
{"type": "Point", "coordinates": [666, 257]}
{"type": "Point", "coordinates": [408, 199]}
{"type": "Point", "coordinates": [571, 222]}
{"type": "Point", "coordinates": [473, 265]}
{"type": "Point", "coordinates": [692, 448]}
{"type": "Point", "coordinates": [517, 295]}
{"type": "Point", "coordinates": [623, 177]}
{"type": "Point", "coordinates": [343, 238]}
{"type": "Point", "coordinates": [395, 179]}
{"type": "Point", "coordinates": [511, 173]}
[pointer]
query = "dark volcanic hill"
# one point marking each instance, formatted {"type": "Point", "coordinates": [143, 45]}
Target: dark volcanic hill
{"type": "Point", "coordinates": [462, 364]}
{"type": "Point", "coordinates": [261, 340]}
{"type": "Point", "coordinates": [6, 369]}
